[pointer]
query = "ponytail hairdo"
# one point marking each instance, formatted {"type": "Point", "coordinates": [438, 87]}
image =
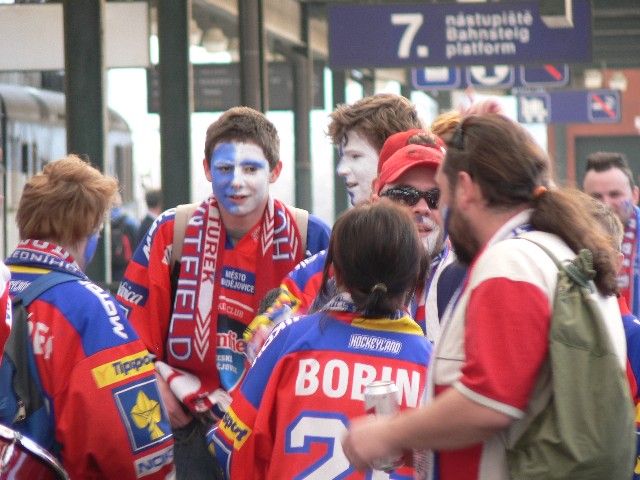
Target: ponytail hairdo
{"type": "Point", "coordinates": [377, 256]}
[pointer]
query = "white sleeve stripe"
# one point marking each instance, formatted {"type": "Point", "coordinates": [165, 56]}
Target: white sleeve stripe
{"type": "Point", "coordinates": [488, 402]}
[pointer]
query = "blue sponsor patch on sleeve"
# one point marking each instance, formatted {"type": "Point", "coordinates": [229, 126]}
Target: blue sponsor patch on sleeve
{"type": "Point", "coordinates": [133, 293]}
{"type": "Point", "coordinates": [142, 414]}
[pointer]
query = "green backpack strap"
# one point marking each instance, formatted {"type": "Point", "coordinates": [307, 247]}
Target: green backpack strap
{"type": "Point", "coordinates": [580, 269]}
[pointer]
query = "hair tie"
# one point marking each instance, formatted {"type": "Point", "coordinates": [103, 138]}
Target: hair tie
{"type": "Point", "coordinates": [539, 191]}
{"type": "Point", "coordinates": [379, 287]}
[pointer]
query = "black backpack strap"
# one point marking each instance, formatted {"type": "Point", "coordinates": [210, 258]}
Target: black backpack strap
{"type": "Point", "coordinates": [18, 346]}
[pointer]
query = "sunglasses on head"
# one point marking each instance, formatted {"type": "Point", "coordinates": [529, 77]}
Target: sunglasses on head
{"type": "Point", "coordinates": [410, 196]}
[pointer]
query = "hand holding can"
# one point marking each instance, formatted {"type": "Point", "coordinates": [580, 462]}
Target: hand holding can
{"type": "Point", "coordinates": [381, 399]}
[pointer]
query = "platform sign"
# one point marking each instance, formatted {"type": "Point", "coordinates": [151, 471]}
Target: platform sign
{"type": "Point", "coordinates": [570, 106]}
{"type": "Point", "coordinates": [504, 33]}
{"type": "Point", "coordinates": [497, 76]}
{"type": "Point", "coordinates": [436, 78]}
{"type": "Point", "coordinates": [546, 75]}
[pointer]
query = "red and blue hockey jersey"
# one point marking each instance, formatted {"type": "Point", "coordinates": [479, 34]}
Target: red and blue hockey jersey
{"type": "Point", "coordinates": [217, 291]}
{"type": "Point", "coordinates": [5, 306]}
{"type": "Point", "coordinates": [632, 334]}
{"type": "Point", "coordinates": [290, 413]}
{"type": "Point", "coordinates": [97, 376]}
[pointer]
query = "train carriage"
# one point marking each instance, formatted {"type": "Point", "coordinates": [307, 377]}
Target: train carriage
{"type": "Point", "coordinates": [33, 133]}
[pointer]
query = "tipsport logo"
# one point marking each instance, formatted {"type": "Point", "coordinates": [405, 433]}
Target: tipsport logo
{"type": "Point", "coordinates": [140, 409]}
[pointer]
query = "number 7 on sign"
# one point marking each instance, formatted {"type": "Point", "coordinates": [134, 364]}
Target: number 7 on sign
{"type": "Point", "coordinates": [413, 21]}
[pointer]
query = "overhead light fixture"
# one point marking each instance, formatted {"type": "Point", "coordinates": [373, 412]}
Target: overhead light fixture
{"type": "Point", "coordinates": [214, 40]}
{"type": "Point", "coordinates": [618, 81]}
{"type": "Point", "coordinates": [592, 78]}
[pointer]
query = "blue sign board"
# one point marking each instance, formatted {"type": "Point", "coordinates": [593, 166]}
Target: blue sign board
{"type": "Point", "coordinates": [604, 106]}
{"type": "Point", "coordinates": [546, 75]}
{"type": "Point", "coordinates": [534, 108]}
{"type": "Point", "coordinates": [570, 106]}
{"type": "Point", "coordinates": [401, 35]}
{"type": "Point", "coordinates": [496, 76]}
{"type": "Point", "coordinates": [437, 78]}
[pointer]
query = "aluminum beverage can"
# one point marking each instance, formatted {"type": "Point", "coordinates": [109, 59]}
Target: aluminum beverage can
{"type": "Point", "coordinates": [381, 399]}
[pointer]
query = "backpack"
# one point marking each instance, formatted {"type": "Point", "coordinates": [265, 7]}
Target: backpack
{"type": "Point", "coordinates": [121, 243]}
{"type": "Point", "coordinates": [584, 428]}
{"type": "Point", "coordinates": [22, 403]}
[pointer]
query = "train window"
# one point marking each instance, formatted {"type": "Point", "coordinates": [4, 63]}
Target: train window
{"type": "Point", "coordinates": [25, 158]}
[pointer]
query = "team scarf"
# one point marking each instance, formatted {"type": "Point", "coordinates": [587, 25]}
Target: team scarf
{"type": "Point", "coordinates": [44, 255]}
{"type": "Point", "coordinates": [341, 307]}
{"type": "Point", "coordinates": [419, 300]}
{"type": "Point", "coordinates": [627, 277]}
{"type": "Point", "coordinates": [219, 290]}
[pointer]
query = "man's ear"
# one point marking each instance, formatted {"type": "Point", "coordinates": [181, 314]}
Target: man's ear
{"type": "Point", "coordinates": [467, 191]}
{"type": "Point", "coordinates": [275, 172]}
{"type": "Point", "coordinates": [207, 169]}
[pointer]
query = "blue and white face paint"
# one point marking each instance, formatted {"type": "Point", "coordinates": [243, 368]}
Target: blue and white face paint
{"type": "Point", "coordinates": [240, 177]}
{"type": "Point", "coordinates": [358, 166]}
{"type": "Point", "coordinates": [90, 248]}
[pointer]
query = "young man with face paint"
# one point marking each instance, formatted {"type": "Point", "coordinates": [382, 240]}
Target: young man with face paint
{"type": "Point", "coordinates": [95, 372]}
{"type": "Point", "coordinates": [609, 179]}
{"type": "Point", "coordinates": [239, 243]}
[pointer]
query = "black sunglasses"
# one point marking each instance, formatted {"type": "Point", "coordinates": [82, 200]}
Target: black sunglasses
{"type": "Point", "coordinates": [410, 196]}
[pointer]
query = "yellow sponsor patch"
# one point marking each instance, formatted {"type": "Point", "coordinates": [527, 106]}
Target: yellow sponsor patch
{"type": "Point", "coordinates": [234, 429]}
{"type": "Point", "coordinates": [123, 368]}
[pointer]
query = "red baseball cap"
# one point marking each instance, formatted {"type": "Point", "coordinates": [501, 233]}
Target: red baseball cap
{"type": "Point", "coordinates": [406, 158]}
{"type": "Point", "coordinates": [395, 142]}
{"type": "Point", "coordinates": [401, 139]}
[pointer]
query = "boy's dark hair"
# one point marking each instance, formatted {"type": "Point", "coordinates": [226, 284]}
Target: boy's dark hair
{"type": "Point", "coordinates": [603, 161]}
{"type": "Point", "coordinates": [377, 256]}
{"type": "Point", "coordinates": [244, 124]}
{"type": "Point", "coordinates": [153, 198]}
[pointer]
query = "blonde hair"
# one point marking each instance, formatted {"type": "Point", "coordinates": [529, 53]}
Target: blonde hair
{"type": "Point", "coordinates": [66, 202]}
{"type": "Point", "coordinates": [446, 123]}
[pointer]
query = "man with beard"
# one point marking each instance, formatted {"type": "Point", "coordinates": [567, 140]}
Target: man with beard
{"type": "Point", "coordinates": [407, 177]}
{"type": "Point", "coordinates": [609, 179]}
{"type": "Point", "coordinates": [487, 367]}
